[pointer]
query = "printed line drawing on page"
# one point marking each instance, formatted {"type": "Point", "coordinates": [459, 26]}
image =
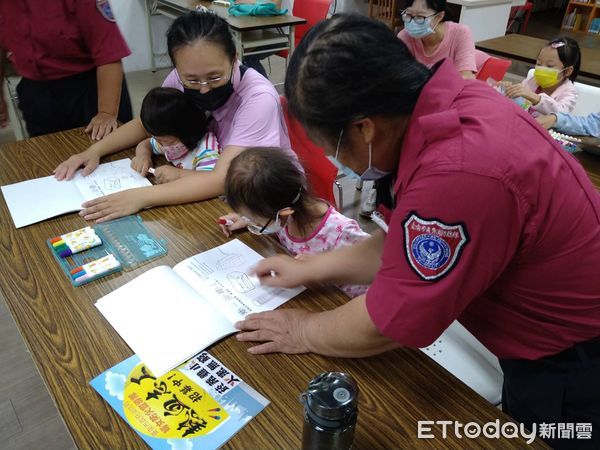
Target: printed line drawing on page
{"type": "Point", "coordinates": [110, 184]}
{"type": "Point", "coordinates": [202, 269]}
{"type": "Point", "coordinates": [223, 292]}
{"type": "Point", "coordinates": [230, 261]}
{"type": "Point", "coordinates": [240, 282]}
{"type": "Point", "coordinates": [267, 296]}
{"type": "Point", "coordinates": [113, 177]}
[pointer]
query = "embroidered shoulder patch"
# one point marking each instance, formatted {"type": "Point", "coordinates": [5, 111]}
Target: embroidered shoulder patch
{"type": "Point", "coordinates": [433, 247]}
{"type": "Point", "coordinates": [104, 8]}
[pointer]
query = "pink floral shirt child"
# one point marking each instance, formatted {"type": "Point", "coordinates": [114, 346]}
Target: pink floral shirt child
{"type": "Point", "coordinates": [334, 231]}
{"type": "Point", "coordinates": [563, 99]}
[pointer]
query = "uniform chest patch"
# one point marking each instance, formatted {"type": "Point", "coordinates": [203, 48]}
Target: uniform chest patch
{"type": "Point", "coordinates": [432, 247]}
{"type": "Point", "coordinates": [104, 8]}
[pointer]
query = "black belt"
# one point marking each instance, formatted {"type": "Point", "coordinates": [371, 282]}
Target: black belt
{"type": "Point", "coordinates": [582, 351]}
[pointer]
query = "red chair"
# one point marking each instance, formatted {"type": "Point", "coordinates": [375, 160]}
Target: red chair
{"type": "Point", "coordinates": [494, 68]}
{"type": "Point", "coordinates": [520, 16]}
{"type": "Point", "coordinates": [320, 172]}
{"type": "Point", "coordinates": [313, 11]}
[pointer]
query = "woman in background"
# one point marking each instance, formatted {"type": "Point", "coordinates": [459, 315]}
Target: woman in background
{"type": "Point", "coordinates": [431, 39]}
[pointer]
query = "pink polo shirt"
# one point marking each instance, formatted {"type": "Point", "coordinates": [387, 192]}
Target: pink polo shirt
{"type": "Point", "coordinates": [251, 117]}
{"type": "Point", "coordinates": [495, 225]}
{"type": "Point", "coordinates": [457, 45]}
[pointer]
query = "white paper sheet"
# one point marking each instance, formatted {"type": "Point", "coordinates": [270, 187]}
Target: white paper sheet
{"type": "Point", "coordinates": [163, 319]}
{"type": "Point", "coordinates": [167, 316]}
{"type": "Point", "coordinates": [221, 275]}
{"type": "Point", "coordinates": [39, 199]}
{"type": "Point", "coordinates": [109, 178]}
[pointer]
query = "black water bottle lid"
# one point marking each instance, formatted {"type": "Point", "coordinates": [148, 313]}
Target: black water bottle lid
{"type": "Point", "coordinates": [331, 396]}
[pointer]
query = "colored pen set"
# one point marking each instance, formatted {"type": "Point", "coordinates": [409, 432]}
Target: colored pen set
{"type": "Point", "coordinates": [75, 242]}
{"type": "Point", "coordinates": [95, 268]}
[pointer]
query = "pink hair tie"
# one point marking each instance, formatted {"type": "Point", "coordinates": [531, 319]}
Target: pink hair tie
{"type": "Point", "coordinates": [557, 44]}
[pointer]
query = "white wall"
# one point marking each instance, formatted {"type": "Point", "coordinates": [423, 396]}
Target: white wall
{"type": "Point", "coordinates": [131, 18]}
{"type": "Point", "coordinates": [487, 21]}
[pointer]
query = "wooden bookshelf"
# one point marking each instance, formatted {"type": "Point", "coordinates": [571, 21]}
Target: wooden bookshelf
{"type": "Point", "coordinates": [586, 13]}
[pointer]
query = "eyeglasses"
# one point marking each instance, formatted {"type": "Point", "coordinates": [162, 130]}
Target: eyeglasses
{"type": "Point", "coordinates": [254, 228]}
{"type": "Point", "coordinates": [420, 20]}
{"type": "Point", "coordinates": [337, 150]}
{"type": "Point", "coordinates": [257, 229]}
{"type": "Point", "coordinates": [196, 84]}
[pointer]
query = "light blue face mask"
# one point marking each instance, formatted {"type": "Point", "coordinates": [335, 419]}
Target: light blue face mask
{"type": "Point", "coordinates": [419, 30]}
{"type": "Point", "coordinates": [347, 171]}
{"type": "Point", "coordinates": [370, 174]}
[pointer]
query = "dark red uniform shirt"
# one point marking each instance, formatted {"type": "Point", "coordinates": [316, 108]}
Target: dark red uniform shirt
{"type": "Point", "coordinates": [495, 225]}
{"type": "Point", "coordinates": [47, 40]}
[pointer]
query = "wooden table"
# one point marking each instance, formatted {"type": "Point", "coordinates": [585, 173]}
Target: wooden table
{"type": "Point", "coordinates": [71, 342]}
{"type": "Point", "coordinates": [591, 164]}
{"type": "Point", "coordinates": [526, 48]}
{"type": "Point", "coordinates": [250, 33]}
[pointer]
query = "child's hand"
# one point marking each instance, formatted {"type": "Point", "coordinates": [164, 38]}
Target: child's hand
{"type": "Point", "coordinates": [167, 173]}
{"type": "Point", "coordinates": [514, 90]}
{"type": "Point", "coordinates": [547, 121]}
{"type": "Point", "coordinates": [114, 205]}
{"type": "Point", "coordinates": [231, 222]}
{"type": "Point", "coordinates": [518, 90]}
{"type": "Point", "coordinates": [141, 164]}
{"type": "Point", "coordinates": [88, 159]}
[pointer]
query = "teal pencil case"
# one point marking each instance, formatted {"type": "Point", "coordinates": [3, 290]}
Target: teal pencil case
{"type": "Point", "coordinates": [105, 248]}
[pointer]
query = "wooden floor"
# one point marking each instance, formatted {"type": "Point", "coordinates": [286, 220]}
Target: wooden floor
{"type": "Point", "coordinates": [29, 419]}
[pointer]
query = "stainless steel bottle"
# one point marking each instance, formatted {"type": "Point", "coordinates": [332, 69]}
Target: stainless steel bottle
{"type": "Point", "coordinates": [330, 412]}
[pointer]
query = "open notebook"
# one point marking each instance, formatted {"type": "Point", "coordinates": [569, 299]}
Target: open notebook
{"type": "Point", "coordinates": [39, 199]}
{"type": "Point", "coordinates": [166, 315]}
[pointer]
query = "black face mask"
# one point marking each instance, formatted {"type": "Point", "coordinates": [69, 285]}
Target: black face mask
{"type": "Point", "coordinates": [213, 99]}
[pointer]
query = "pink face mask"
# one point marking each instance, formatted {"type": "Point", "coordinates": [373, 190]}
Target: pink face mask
{"type": "Point", "coordinates": [174, 151]}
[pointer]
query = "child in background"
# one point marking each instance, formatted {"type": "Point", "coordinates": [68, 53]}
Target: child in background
{"type": "Point", "coordinates": [178, 131]}
{"type": "Point", "coordinates": [268, 193]}
{"type": "Point", "coordinates": [574, 125]}
{"type": "Point", "coordinates": [551, 89]}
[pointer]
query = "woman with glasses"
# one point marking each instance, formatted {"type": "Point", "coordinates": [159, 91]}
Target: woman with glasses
{"type": "Point", "coordinates": [268, 192]}
{"type": "Point", "coordinates": [490, 223]}
{"type": "Point", "coordinates": [431, 39]}
{"type": "Point", "coordinates": [244, 111]}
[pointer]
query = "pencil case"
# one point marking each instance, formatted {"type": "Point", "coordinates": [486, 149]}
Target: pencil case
{"type": "Point", "coordinates": [125, 244]}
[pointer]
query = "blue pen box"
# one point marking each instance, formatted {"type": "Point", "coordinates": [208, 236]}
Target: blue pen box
{"type": "Point", "coordinates": [125, 244]}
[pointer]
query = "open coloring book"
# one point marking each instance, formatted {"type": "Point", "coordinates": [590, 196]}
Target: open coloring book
{"type": "Point", "coordinates": [199, 405]}
{"type": "Point", "coordinates": [39, 199]}
{"type": "Point", "coordinates": [167, 315]}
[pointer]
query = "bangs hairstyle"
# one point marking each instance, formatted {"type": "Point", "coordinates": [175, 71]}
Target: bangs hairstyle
{"type": "Point", "coordinates": [265, 180]}
{"type": "Point", "coordinates": [569, 54]}
{"type": "Point", "coordinates": [350, 67]}
{"type": "Point", "coordinates": [169, 112]}
{"type": "Point", "coordinates": [200, 25]}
